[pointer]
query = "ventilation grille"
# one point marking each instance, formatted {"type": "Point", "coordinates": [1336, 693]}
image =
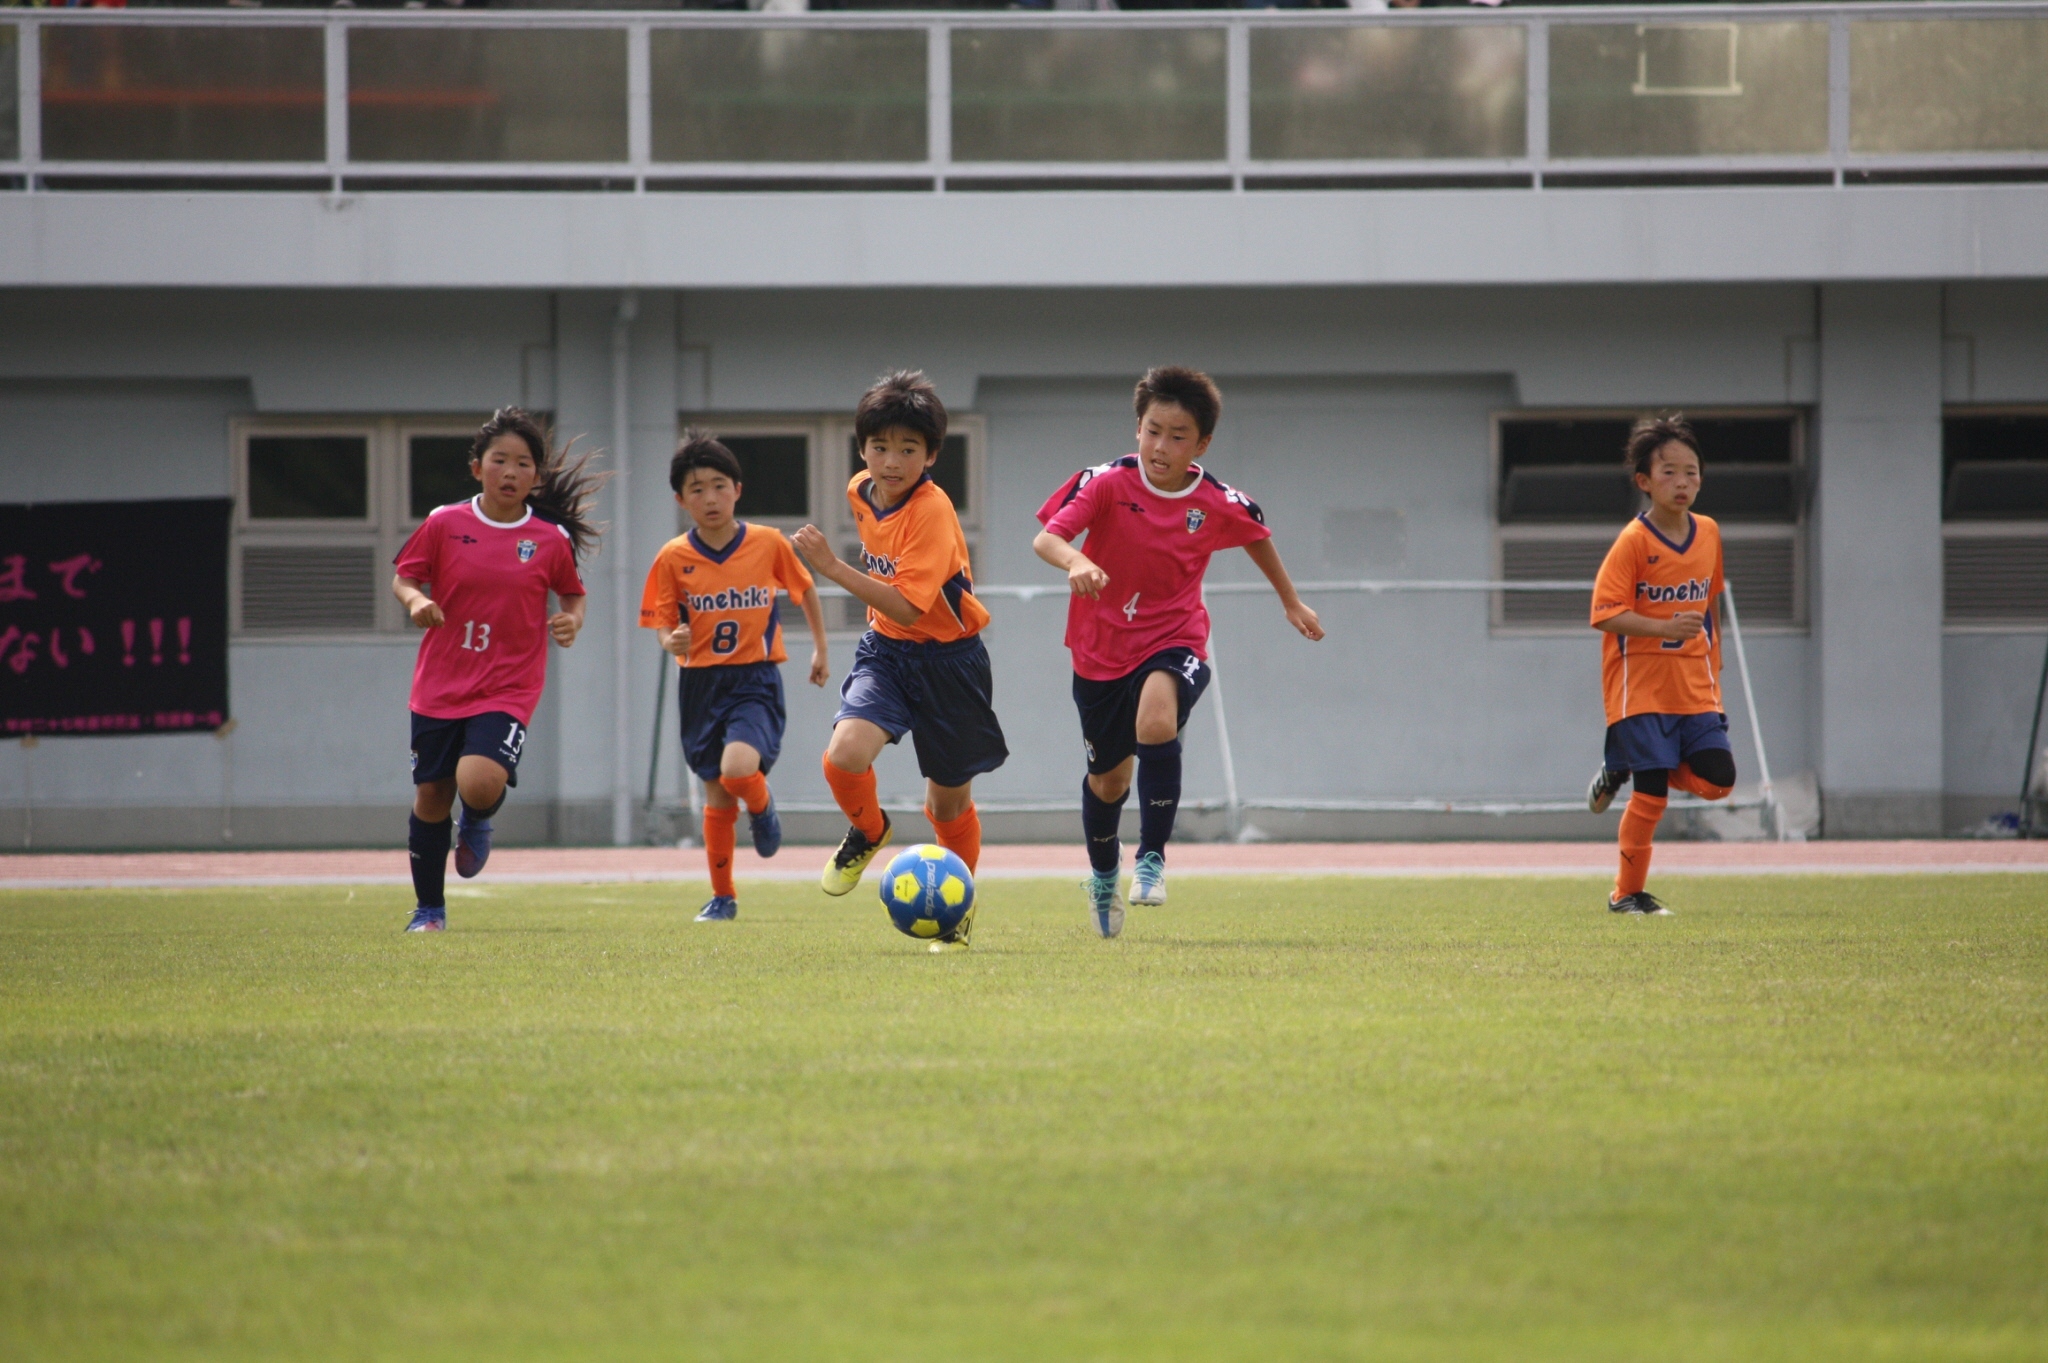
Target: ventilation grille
{"type": "Point", "coordinates": [1550, 560]}
{"type": "Point", "coordinates": [331, 587]}
{"type": "Point", "coordinates": [1996, 579]}
{"type": "Point", "coordinates": [1764, 573]}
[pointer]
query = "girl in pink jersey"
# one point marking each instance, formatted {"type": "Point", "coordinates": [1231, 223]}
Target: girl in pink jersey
{"type": "Point", "coordinates": [476, 577]}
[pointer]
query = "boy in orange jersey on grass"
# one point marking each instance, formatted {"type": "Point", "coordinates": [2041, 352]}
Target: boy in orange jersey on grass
{"type": "Point", "coordinates": [1661, 660]}
{"type": "Point", "coordinates": [711, 600]}
{"type": "Point", "coordinates": [921, 668]}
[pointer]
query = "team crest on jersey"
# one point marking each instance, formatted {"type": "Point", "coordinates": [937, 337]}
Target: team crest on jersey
{"type": "Point", "coordinates": [526, 550]}
{"type": "Point", "coordinates": [1195, 519]}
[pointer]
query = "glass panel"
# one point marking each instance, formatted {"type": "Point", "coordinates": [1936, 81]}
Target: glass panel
{"type": "Point", "coordinates": [1995, 467]}
{"type": "Point", "coordinates": [788, 95]}
{"type": "Point", "coordinates": [123, 93]}
{"type": "Point", "coordinates": [432, 94]}
{"type": "Point", "coordinates": [438, 472]}
{"type": "Point", "coordinates": [1688, 89]}
{"type": "Point", "coordinates": [775, 473]}
{"type": "Point", "coordinates": [309, 477]}
{"type": "Point", "coordinates": [950, 472]}
{"type": "Point", "coordinates": [1342, 93]}
{"type": "Point", "coordinates": [1088, 95]}
{"type": "Point", "coordinates": [10, 94]}
{"type": "Point", "coordinates": [1565, 469]}
{"type": "Point", "coordinates": [1948, 85]}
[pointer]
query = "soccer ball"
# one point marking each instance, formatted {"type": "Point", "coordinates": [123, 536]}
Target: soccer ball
{"type": "Point", "coordinates": [927, 891]}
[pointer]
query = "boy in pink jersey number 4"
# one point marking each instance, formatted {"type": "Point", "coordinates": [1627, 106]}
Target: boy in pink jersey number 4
{"type": "Point", "coordinates": [1136, 625]}
{"type": "Point", "coordinates": [476, 577]}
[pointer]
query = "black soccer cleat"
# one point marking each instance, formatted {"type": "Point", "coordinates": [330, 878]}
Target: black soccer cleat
{"type": "Point", "coordinates": [1642, 901]}
{"type": "Point", "coordinates": [1606, 784]}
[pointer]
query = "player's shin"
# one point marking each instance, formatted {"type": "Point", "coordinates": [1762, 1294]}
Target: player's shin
{"type": "Point", "coordinates": [855, 794]}
{"type": "Point", "coordinates": [961, 836]}
{"type": "Point", "coordinates": [1158, 794]}
{"type": "Point", "coordinates": [718, 844]}
{"type": "Point", "coordinates": [428, 844]}
{"type": "Point", "coordinates": [750, 790]}
{"type": "Point", "coordinates": [1099, 820]}
{"type": "Point", "coordinates": [1638, 827]}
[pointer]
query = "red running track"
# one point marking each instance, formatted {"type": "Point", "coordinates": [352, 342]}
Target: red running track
{"type": "Point", "coordinates": [586, 865]}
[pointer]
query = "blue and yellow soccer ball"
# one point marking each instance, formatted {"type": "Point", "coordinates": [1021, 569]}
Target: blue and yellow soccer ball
{"type": "Point", "coordinates": [927, 891]}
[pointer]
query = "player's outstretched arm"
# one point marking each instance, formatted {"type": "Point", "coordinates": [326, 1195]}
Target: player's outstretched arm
{"type": "Point", "coordinates": [1083, 576]}
{"type": "Point", "coordinates": [872, 592]}
{"type": "Point", "coordinates": [1299, 615]}
{"type": "Point", "coordinates": [567, 622]}
{"type": "Point", "coordinates": [1684, 625]}
{"type": "Point", "coordinates": [814, 616]}
{"type": "Point", "coordinates": [417, 603]}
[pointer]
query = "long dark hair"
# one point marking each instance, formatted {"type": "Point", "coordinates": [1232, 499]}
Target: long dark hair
{"type": "Point", "coordinates": [566, 487]}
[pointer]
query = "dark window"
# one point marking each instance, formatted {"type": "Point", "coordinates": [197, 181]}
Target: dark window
{"type": "Point", "coordinates": [1994, 468]}
{"type": "Point", "coordinates": [775, 473]}
{"type": "Point", "coordinates": [438, 471]}
{"type": "Point", "coordinates": [309, 477]}
{"type": "Point", "coordinates": [1569, 469]}
{"type": "Point", "coordinates": [950, 472]}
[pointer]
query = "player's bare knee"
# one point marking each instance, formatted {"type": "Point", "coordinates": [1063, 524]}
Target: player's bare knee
{"type": "Point", "coordinates": [1111, 786]}
{"type": "Point", "coordinates": [948, 803]}
{"type": "Point", "coordinates": [434, 801]}
{"type": "Point", "coordinates": [717, 796]}
{"type": "Point", "coordinates": [739, 760]}
{"type": "Point", "coordinates": [1159, 729]}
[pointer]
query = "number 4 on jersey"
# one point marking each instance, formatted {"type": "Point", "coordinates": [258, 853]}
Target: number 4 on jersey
{"type": "Point", "coordinates": [1131, 606]}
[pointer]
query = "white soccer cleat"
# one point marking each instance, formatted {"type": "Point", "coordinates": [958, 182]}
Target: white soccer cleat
{"type": "Point", "coordinates": [1148, 880]}
{"type": "Point", "coordinates": [1104, 904]}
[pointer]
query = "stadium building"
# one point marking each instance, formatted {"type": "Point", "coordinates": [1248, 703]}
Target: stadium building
{"type": "Point", "coordinates": [1436, 259]}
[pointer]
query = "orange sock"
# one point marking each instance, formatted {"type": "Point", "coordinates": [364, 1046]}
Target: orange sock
{"type": "Point", "coordinates": [1638, 826]}
{"type": "Point", "coordinates": [855, 792]}
{"type": "Point", "coordinates": [718, 826]}
{"type": "Point", "coordinates": [751, 791]}
{"type": "Point", "coordinates": [1685, 778]}
{"type": "Point", "coordinates": [961, 836]}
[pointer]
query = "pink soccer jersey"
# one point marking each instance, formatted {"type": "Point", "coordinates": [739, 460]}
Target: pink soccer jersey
{"type": "Point", "coordinates": [1155, 546]}
{"type": "Point", "coordinates": [492, 583]}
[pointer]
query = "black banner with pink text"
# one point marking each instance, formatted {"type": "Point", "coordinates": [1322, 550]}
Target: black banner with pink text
{"type": "Point", "coordinates": [114, 617]}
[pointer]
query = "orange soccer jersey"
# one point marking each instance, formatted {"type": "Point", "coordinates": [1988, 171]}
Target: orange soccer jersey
{"type": "Point", "coordinates": [1650, 575]}
{"type": "Point", "coordinates": [727, 595]}
{"type": "Point", "coordinates": [917, 547]}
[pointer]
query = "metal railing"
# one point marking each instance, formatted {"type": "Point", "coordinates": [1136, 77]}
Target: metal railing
{"type": "Point", "coordinates": [366, 100]}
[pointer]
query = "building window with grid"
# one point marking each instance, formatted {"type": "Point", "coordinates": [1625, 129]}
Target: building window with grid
{"type": "Point", "coordinates": [1561, 494]}
{"type": "Point", "coordinates": [321, 508]}
{"type": "Point", "coordinates": [1994, 517]}
{"type": "Point", "coordinates": [794, 470]}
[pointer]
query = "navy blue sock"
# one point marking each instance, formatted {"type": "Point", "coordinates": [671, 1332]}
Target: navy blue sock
{"type": "Point", "coordinates": [1099, 819]}
{"type": "Point", "coordinates": [1158, 794]}
{"type": "Point", "coordinates": [428, 843]}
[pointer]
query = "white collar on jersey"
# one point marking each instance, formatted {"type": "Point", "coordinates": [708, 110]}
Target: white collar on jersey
{"type": "Point", "coordinates": [1157, 491]}
{"type": "Point", "coordinates": [476, 509]}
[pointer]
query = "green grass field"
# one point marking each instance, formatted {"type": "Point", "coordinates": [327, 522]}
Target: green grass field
{"type": "Point", "coordinates": [1804, 1118]}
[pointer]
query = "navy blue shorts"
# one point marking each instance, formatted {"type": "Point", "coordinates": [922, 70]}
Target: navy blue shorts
{"type": "Point", "coordinates": [1109, 709]}
{"type": "Point", "coordinates": [1661, 742]}
{"type": "Point", "coordinates": [438, 744]}
{"type": "Point", "coordinates": [737, 704]}
{"type": "Point", "coordinates": [940, 694]}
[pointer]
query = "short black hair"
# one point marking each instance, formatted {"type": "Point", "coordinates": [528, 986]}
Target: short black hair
{"type": "Point", "coordinates": [1188, 389]}
{"type": "Point", "coordinates": [1653, 433]}
{"type": "Point", "coordinates": [903, 400]}
{"type": "Point", "coordinates": [701, 451]}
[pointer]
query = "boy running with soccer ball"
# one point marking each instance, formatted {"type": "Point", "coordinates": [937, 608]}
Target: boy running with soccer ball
{"type": "Point", "coordinates": [921, 668]}
{"type": "Point", "coordinates": [1136, 624]}
{"type": "Point", "coordinates": [711, 600]}
{"type": "Point", "coordinates": [1660, 663]}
